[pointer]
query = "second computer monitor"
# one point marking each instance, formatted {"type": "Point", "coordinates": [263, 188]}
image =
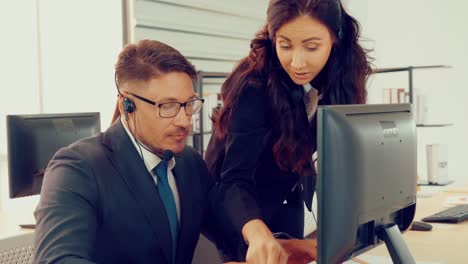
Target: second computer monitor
{"type": "Point", "coordinates": [366, 187]}
{"type": "Point", "coordinates": [34, 139]}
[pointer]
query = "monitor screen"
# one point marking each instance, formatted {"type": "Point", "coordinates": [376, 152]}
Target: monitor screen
{"type": "Point", "coordinates": [366, 187]}
{"type": "Point", "coordinates": [34, 139]}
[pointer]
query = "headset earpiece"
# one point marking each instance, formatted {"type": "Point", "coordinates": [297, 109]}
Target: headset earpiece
{"type": "Point", "coordinates": [340, 33]}
{"type": "Point", "coordinates": [340, 20]}
{"type": "Point", "coordinates": [128, 106]}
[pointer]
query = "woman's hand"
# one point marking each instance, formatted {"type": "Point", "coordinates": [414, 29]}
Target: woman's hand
{"type": "Point", "coordinates": [300, 251]}
{"type": "Point", "coordinates": [266, 251]}
{"type": "Point", "coordinates": [263, 247]}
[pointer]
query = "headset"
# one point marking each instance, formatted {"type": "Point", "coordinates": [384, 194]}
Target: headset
{"type": "Point", "coordinates": [335, 18]}
{"type": "Point", "coordinates": [340, 19]}
{"type": "Point", "coordinates": [338, 25]}
{"type": "Point", "coordinates": [127, 103]}
{"type": "Point", "coordinates": [128, 106]}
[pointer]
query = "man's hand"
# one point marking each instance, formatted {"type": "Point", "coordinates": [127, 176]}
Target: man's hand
{"type": "Point", "coordinates": [300, 251]}
{"type": "Point", "coordinates": [263, 247]}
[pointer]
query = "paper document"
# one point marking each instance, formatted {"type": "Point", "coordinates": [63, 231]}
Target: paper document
{"type": "Point", "coordinates": [367, 259]}
{"type": "Point", "coordinates": [456, 200]}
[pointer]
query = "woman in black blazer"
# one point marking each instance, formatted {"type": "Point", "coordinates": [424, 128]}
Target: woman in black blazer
{"type": "Point", "coordinates": [265, 133]}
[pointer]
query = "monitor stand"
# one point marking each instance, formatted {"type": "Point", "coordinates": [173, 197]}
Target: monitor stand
{"type": "Point", "coordinates": [28, 226]}
{"type": "Point", "coordinates": [439, 183]}
{"type": "Point", "coordinates": [396, 245]}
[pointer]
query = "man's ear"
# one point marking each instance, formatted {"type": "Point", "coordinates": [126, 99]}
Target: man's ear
{"type": "Point", "coordinates": [117, 110]}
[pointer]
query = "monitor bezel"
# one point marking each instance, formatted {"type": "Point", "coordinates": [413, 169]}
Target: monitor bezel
{"type": "Point", "coordinates": [15, 124]}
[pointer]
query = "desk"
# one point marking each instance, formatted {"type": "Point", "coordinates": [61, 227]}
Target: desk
{"type": "Point", "coordinates": [9, 224]}
{"type": "Point", "coordinates": [446, 243]}
{"type": "Point", "coordinates": [16, 244]}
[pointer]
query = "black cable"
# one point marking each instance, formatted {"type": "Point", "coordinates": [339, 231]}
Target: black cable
{"type": "Point", "coordinates": [134, 123]}
{"type": "Point", "coordinates": [282, 235]}
{"type": "Point", "coordinates": [116, 85]}
{"type": "Point", "coordinates": [315, 219]}
{"type": "Point", "coordinates": [140, 145]}
{"type": "Point", "coordinates": [312, 211]}
{"type": "Point", "coordinates": [138, 142]}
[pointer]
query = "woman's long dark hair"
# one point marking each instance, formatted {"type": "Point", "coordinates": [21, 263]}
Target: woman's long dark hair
{"type": "Point", "coordinates": [341, 81]}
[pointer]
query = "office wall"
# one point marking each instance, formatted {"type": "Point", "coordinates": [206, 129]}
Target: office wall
{"type": "Point", "coordinates": [423, 32]}
{"type": "Point", "coordinates": [80, 41]}
{"type": "Point", "coordinates": [60, 58]}
{"type": "Point", "coordinates": [401, 33]}
{"type": "Point", "coordinates": [213, 35]}
{"type": "Point", "coordinates": [57, 56]}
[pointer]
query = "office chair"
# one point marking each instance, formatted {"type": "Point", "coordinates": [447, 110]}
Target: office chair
{"type": "Point", "coordinates": [205, 252]}
{"type": "Point", "coordinates": [17, 249]}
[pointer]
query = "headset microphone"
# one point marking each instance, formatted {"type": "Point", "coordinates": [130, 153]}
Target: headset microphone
{"type": "Point", "coordinates": [296, 95]}
{"type": "Point", "coordinates": [167, 155]}
{"type": "Point", "coordinates": [129, 107]}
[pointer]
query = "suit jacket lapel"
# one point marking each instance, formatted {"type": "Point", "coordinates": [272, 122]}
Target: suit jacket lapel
{"type": "Point", "coordinates": [132, 169]}
{"type": "Point", "coordinates": [185, 189]}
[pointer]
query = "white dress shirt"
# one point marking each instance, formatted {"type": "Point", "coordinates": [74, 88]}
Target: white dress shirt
{"type": "Point", "coordinates": [151, 160]}
{"type": "Point", "coordinates": [307, 88]}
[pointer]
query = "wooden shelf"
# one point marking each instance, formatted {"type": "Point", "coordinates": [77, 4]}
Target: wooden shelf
{"type": "Point", "coordinates": [426, 183]}
{"type": "Point", "coordinates": [409, 69]}
{"type": "Point", "coordinates": [213, 74]}
{"type": "Point", "coordinates": [204, 133]}
{"type": "Point", "coordinates": [201, 76]}
{"type": "Point", "coordinates": [435, 125]}
{"type": "Point", "coordinates": [401, 69]}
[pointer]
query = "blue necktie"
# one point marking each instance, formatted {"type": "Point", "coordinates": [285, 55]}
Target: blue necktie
{"type": "Point", "coordinates": [167, 198]}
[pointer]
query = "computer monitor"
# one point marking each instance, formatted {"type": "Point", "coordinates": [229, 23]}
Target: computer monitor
{"type": "Point", "coordinates": [366, 187]}
{"type": "Point", "coordinates": [33, 140]}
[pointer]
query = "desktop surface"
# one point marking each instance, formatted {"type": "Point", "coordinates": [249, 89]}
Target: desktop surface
{"type": "Point", "coordinates": [10, 223]}
{"type": "Point", "coordinates": [445, 243]}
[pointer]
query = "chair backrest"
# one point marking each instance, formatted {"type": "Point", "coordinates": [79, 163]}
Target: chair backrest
{"type": "Point", "coordinates": [17, 249]}
{"type": "Point", "coordinates": [206, 252]}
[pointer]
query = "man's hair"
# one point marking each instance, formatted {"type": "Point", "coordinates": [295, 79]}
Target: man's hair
{"type": "Point", "coordinates": [146, 60]}
{"type": "Point", "coordinates": [149, 59]}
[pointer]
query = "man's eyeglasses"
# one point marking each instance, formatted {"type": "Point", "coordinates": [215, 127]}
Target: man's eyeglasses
{"type": "Point", "coordinates": [171, 109]}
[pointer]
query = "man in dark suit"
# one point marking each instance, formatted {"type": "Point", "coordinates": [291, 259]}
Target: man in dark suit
{"type": "Point", "coordinates": [135, 193]}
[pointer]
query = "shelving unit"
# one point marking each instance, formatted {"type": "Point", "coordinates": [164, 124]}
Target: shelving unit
{"type": "Point", "coordinates": [410, 70]}
{"type": "Point", "coordinates": [198, 137]}
{"type": "Point", "coordinates": [202, 77]}
{"type": "Point", "coordinates": [435, 125]}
